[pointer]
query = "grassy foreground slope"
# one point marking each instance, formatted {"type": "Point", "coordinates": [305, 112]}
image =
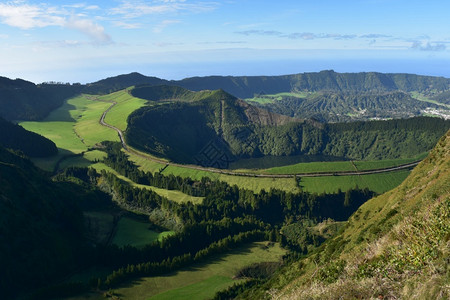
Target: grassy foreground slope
{"type": "Point", "coordinates": [395, 246]}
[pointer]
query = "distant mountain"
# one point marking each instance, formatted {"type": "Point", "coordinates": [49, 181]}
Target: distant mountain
{"type": "Point", "coordinates": [249, 86]}
{"type": "Point", "coordinates": [326, 96]}
{"type": "Point", "coordinates": [395, 246]}
{"type": "Point", "coordinates": [22, 100]}
{"type": "Point", "coordinates": [216, 126]}
{"type": "Point", "coordinates": [15, 137]}
{"type": "Point", "coordinates": [112, 84]}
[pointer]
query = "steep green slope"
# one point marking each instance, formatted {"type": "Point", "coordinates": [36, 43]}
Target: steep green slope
{"type": "Point", "coordinates": [221, 128]}
{"type": "Point", "coordinates": [23, 100]}
{"type": "Point", "coordinates": [41, 227]}
{"type": "Point", "coordinates": [183, 131]}
{"type": "Point", "coordinates": [396, 246]}
{"type": "Point", "coordinates": [32, 144]}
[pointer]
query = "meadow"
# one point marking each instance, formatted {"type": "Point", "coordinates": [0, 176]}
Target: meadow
{"type": "Point", "coordinates": [199, 281]}
{"type": "Point", "coordinates": [172, 195]}
{"type": "Point", "coordinates": [263, 99]}
{"type": "Point", "coordinates": [126, 104]}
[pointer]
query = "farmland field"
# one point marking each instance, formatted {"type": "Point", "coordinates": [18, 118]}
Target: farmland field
{"type": "Point", "coordinates": [173, 195]}
{"type": "Point", "coordinates": [199, 281]}
{"type": "Point", "coordinates": [263, 99]}
{"type": "Point", "coordinates": [126, 104]}
{"type": "Point", "coordinates": [379, 183]}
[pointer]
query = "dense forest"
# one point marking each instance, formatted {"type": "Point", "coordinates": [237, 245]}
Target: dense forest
{"type": "Point", "coordinates": [344, 107]}
{"type": "Point", "coordinates": [41, 225]}
{"type": "Point", "coordinates": [15, 137]}
{"type": "Point", "coordinates": [189, 132]}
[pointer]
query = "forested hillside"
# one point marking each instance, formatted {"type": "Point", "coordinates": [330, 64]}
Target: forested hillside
{"type": "Point", "coordinates": [395, 246]}
{"type": "Point", "coordinates": [23, 100]}
{"type": "Point", "coordinates": [347, 106]}
{"type": "Point", "coordinates": [184, 132]}
{"type": "Point", "coordinates": [41, 225]}
{"type": "Point", "coordinates": [15, 137]}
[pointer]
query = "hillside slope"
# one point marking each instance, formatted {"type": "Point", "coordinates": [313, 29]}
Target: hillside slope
{"type": "Point", "coordinates": [396, 246]}
{"type": "Point", "coordinates": [213, 128]}
{"type": "Point", "coordinates": [41, 225]}
{"type": "Point", "coordinates": [23, 100]}
{"type": "Point", "coordinates": [348, 106]}
{"type": "Point", "coordinates": [15, 137]}
{"type": "Point", "coordinates": [182, 131]}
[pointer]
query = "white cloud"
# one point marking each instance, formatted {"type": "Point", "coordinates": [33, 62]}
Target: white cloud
{"type": "Point", "coordinates": [91, 29]}
{"type": "Point", "coordinates": [24, 16]}
{"type": "Point", "coordinates": [160, 27]}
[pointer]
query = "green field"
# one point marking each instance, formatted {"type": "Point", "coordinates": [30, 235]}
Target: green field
{"type": "Point", "coordinates": [126, 104]}
{"type": "Point", "coordinates": [421, 97]}
{"type": "Point", "coordinates": [251, 183]}
{"type": "Point", "coordinates": [199, 281]}
{"type": "Point", "coordinates": [136, 233]}
{"type": "Point", "coordinates": [379, 183]}
{"type": "Point", "coordinates": [336, 166]}
{"type": "Point", "coordinates": [74, 128]}
{"type": "Point", "coordinates": [263, 99]}
{"type": "Point", "coordinates": [311, 167]}
{"type": "Point", "coordinates": [172, 195]}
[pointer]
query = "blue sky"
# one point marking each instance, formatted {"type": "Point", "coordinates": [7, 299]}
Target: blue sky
{"type": "Point", "coordinates": [78, 41]}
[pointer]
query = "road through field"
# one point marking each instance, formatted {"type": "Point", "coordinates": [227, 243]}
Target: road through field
{"type": "Point", "coordinates": [228, 172]}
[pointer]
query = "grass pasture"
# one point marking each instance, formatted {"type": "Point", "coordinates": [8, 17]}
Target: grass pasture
{"type": "Point", "coordinates": [264, 99]}
{"type": "Point", "coordinates": [379, 183]}
{"type": "Point", "coordinates": [172, 195]}
{"type": "Point", "coordinates": [126, 104]}
{"type": "Point", "coordinates": [202, 280]}
{"type": "Point", "coordinates": [199, 281]}
{"type": "Point", "coordinates": [310, 167]}
{"type": "Point", "coordinates": [136, 233]}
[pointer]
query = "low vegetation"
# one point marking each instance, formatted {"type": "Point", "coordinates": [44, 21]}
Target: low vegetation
{"type": "Point", "coordinates": [394, 246]}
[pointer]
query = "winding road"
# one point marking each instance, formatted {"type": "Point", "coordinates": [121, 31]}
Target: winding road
{"type": "Point", "coordinates": [228, 172]}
